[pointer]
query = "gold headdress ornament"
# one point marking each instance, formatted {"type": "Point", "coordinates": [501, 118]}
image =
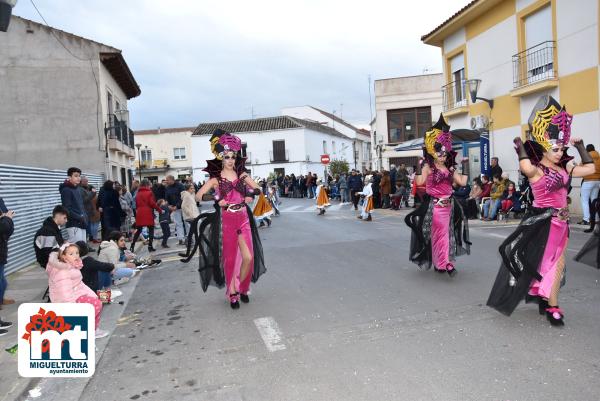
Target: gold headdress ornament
{"type": "Point", "coordinates": [549, 124]}
{"type": "Point", "coordinates": [440, 134]}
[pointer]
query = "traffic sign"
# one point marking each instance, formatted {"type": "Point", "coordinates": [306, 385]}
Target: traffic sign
{"type": "Point", "coordinates": [325, 159]}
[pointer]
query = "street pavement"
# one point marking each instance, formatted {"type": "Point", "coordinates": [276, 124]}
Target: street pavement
{"type": "Point", "coordinates": [341, 314]}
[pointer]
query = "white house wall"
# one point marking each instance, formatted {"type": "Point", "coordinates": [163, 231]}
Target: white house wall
{"type": "Point", "coordinates": [521, 4]}
{"type": "Point", "coordinates": [309, 113]}
{"type": "Point", "coordinates": [299, 144]}
{"type": "Point", "coordinates": [577, 35]}
{"type": "Point", "coordinates": [454, 40]}
{"type": "Point", "coordinates": [107, 83]}
{"type": "Point", "coordinates": [490, 63]}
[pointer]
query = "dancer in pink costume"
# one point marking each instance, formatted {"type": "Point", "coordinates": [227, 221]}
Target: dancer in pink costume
{"type": "Point", "coordinates": [231, 251]}
{"type": "Point", "coordinates": [533, 257]}
{"type": "Point", "coordinates": [439, 228]}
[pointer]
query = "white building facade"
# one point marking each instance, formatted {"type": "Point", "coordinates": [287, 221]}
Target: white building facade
{"type": "Point", "coordinates": [521, 50]}
{"type": "Point", "coordinates": [360, 157]}
{"type": "Point", "coordinates": [405, 108]}
{"type": "Point", "coordinates": [64, 108]}
{"type": "Point", "coordinates": [274, 145]}
{"type": "Point", "coordinates": [163, 152]}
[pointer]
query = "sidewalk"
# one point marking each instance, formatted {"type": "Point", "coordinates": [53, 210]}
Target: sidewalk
{"type": "Point", "coordinates": [29, 285]}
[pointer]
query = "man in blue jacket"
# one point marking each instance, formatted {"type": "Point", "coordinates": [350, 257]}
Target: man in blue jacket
{"type": "Point", "coordinates": [355, 185]}
{"type": "Point", "coordinates": [72, 200]}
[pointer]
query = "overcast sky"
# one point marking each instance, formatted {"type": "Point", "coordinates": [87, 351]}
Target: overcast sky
{"type": "Point", "coordinates": [205, 61]}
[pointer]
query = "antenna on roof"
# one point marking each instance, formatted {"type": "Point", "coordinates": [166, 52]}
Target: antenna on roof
{"type": "Point", "coordinates": [333, 119]}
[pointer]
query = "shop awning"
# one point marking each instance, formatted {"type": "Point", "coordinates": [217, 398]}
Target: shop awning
{"type": "Point", "coordinates": [458, 136]}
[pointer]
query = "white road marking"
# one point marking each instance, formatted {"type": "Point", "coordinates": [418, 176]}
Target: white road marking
{"type": "Point", "coordinates": [270, 333]}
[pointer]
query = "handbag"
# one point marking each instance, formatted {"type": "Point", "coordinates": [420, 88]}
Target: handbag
{"type": "Point", "coordinates": [104, 295]}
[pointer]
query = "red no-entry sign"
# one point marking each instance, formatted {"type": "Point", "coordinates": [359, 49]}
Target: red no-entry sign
{"type": "Point", "coordinates": [325, 159]}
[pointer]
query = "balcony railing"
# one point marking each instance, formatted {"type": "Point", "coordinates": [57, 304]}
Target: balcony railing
{"type": "Point", "coordinates": [119, 130]}
{"type": "Point", "coordinates": [279, 157]}
{"type": "Point", "coordinates": [454, 95]}
{"type": "Point", "coordinates": [153, 164]}
{"type": "Point", "coordinates": [534, 64]}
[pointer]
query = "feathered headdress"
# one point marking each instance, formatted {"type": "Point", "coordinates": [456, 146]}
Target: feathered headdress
{"type": "Point", "coordinates": [222, 142]}
{"type": "Point", "coordinates": [437, 140]}
{"type": "Point", "coordinates": [549, 127]}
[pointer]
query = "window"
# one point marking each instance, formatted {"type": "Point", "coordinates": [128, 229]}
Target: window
{"type": "Point", "coordinates": [117, 105]}
{"type": "Point", "coordinates": [109, 102]}
{"type": "Point", "coordinates": [146, 155]}
{"type": "Point", "coordinates": [457, 69]}
{"type": "Point", "coordinates": [179, 153]}
{"type": "Point", "coordinates": [408, 124]}
{"type": "Point", "coordinates": [244, 150]}
{"type": "Point", "coordinates": [279, 152]}
{"type": "Point", "coordinates": [324, 147]}
{"type": "Point", "coordinates": [333, 147]}
{"type": "Point", "coordinates": [540, 57]}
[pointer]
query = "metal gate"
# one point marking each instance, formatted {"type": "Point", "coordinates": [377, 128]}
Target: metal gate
{"type": "Point", "coordinates": [32, 193]}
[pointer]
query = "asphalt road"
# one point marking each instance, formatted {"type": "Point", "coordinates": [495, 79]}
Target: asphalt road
{"type": "Point", "coordinates": [342, 315]}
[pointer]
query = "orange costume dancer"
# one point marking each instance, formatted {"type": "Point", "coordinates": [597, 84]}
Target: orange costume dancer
{"type": "Point", "coordinates": [262, 210]}
{"type": "Point", "coordinates": [322, 199]}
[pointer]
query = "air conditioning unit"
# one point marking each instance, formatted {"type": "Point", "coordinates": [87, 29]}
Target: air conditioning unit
{"type": "Point", "coordinates": [479, 122]}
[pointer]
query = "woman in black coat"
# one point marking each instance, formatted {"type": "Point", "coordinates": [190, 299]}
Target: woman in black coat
{"type": "Point", "coordinates": [110, 207]}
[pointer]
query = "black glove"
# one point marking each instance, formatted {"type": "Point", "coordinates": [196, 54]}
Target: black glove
{"type": "Point", "coordinates": [585, 156]}
{"type": "Point", "coordinates": [465, 167]}
{"type": "Point", "coordinates": [419, 167]}
{"type": "Point", "coordinates": [520, 149]}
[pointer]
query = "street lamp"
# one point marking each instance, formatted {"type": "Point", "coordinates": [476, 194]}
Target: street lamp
{"type": "Point", "coordinates": [473, 87]}
{"type": "Point", "coordinates": [138, 146]}
{"type": "Point", "coordinates": [6, 7]}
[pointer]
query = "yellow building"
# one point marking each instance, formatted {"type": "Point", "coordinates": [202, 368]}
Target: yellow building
{"type": "Point", "coordinates": [520, 50]}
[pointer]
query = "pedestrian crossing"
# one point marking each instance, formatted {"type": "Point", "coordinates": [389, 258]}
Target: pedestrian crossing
{"type": "Point", "coordinates": [313, 208]}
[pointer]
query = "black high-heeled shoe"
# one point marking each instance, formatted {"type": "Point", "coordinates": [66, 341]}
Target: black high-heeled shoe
{"type": "Point", "coordinates": [451, 272]}
{"type": "Point", "coordinates": [555, 315]}
{"type": "Point", "coordinates": [442, 271]}
{"type": "Point", "coordinates": [233, 301]}
{"type": "Point", "coordinates": [244, 298]}
{"type": "Point", "coordinates": [542, 306]}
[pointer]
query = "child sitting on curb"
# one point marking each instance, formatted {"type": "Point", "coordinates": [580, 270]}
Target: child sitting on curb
{"type": "Point", "coordinates": [66, 282]}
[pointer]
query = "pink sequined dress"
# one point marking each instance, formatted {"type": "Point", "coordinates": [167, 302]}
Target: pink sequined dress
{"type": "Point", "coordinates": [550, 191]}
{"type": "Point", "coordinates": [439, 186]}
{"type": "Point", "coordinates": [235, 225]}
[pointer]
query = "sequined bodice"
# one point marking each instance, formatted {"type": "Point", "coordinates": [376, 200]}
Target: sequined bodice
{"type": "Point", "coordinates": [439, 183]}
{"type": "Point", "coordinates": [551, 189]}
{"type": "Point", "coordinates": [232, 191]}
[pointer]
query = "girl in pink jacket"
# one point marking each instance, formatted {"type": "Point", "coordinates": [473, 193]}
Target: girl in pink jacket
{"type": "Point", "coordinates": [66, 283]}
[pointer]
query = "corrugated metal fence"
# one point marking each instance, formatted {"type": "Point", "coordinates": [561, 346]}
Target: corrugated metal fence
{"type": "Point", "coordinates": [32, 193]}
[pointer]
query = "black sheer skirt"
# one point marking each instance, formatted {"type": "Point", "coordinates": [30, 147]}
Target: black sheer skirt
{"type": "Point", "coordinates": [419, 222]}
{"type": "Point", "coordinates": [207, 233]}
{"type": "Point", "coordinates": [590, 252]}
{"type": "Point", "coordinates": [521, 254]}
